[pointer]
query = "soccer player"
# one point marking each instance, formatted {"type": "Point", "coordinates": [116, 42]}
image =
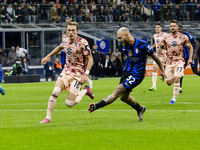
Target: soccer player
{"type": "Point", "coordinates": [134, 53]}
{"type": "Point", "coordinates": [174, 43]}
{"type": "Point", "coordinates": [2, 90]}
{"type": "Point", "coordinates": [75, 72]}
{"type": "Point", "coordinates": [195, 45]}
{"type": "Point", "coordinates": [157, 38]}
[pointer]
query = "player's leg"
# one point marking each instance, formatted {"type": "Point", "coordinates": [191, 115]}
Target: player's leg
{"type": "Point", "coordinates": [2, 90]}
{"type": "Point", "coordinates": [169, 74]}
{"type": "Point", "coordinates": [134, 104]}
{"type": "Point", "coordinates": [178, 73]}
{"type": "Point", "coordinates": [194, 66]}
{"type": "Point", "coordinates": [109, 99]}
{"type": "Point", "coordinates": [181, 81]}
{"type": "Point", "coordinates": [154, 77]}
{"type": "Point", "coordinates": [59, 86]}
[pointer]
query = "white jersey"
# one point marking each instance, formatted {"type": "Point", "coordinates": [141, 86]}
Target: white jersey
{"type": "Point", "coordinates": [157, 39]}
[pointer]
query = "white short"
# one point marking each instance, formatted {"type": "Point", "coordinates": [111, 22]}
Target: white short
{"type": "Point", "coordinates": [174, 70]}
{"type": "Point", "coordinates": [69, 81]}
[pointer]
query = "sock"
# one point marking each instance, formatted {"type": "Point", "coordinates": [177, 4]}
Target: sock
{"type": "Point", "coordinates": [181, 80]}
{"type": "Point", "coordinates": [80, 96]}
{"type": "Point", "coordinates": [176, 91]}
{"type": "Point", "coordinates": [52, 100]}
{"type": "Point", "coordinates": [137, 107]}
{"type": "Point", "coordinates": [154, 78]}
{"type": "Point", "coordinates": [49, 117]}
{"type": "Point", "coordinates": [102, 103]}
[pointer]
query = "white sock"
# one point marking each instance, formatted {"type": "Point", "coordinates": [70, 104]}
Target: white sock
{"type": "Point", "coordinates": [49, 117]}
{"type": "Point", "coordinates": [174, 99]}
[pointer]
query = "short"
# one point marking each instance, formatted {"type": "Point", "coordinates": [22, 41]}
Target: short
{"type": "Point", "coordinates": [130, 81]}
{"type": "Point", "coordinates": [194, 63]}
{"type": "Point", "coordinates": [69, 81]}
{"type": "Point", "coordinates": [174, 70]}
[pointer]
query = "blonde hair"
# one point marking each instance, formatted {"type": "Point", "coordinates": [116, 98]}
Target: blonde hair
{"type": "Point", "coordinates": [69, 22]}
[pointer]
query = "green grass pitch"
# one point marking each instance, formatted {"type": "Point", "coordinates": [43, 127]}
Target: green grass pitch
{"type": "Point", "coordinates": [114, 127]}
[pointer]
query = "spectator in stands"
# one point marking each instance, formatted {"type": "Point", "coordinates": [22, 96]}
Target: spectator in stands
{"type": "Point", "coordinates": [48, 67]}
{"type": "Point", "coordinates": [123, 16]}
{"type": "Point", "coordinates": [156, 9]}
{"type": "Point", "coordinates": [101, 14]}
{"type": "Point", "coordinates": [77, 14]}
{"type": "Point", "coordinates": [93, 14]}
{"type": "Point", "coordinates": [57, 67]}
{"type": "Point", "coordinates": [107, 65]}
{"type": "Point", "coordinates": [21, 52]}
{"type": "Point", "coordinates": [54, 14]}
{"type": "Point", "coordinates": [115, 13]}
{"type": "Point", "coordinates": [89, 16]}
{"type": "Point", "coordinates": [8, 72]}
{"type": "Point", "coordinates": [17, 67]}
{"type": "Point", "coordinates": [31, 13]}
{"type": "Point", "coordinates": [44, 10]}
{"type": "Point", "coordinates": [11, 56]}
{"type": "Point", "coordinates": [166, 10]}
{"type": "Point", "coordinates": [197, 13]}
{"type": "Point", "coordinates": [64, 13]}
{"type": "Point", "coordinates": [20, 14]}
{"type": "Point", "coordinates": [11, 12]}
{"type": "Point", "coordinates": [25, 67]}
{"type": "Point", "coordinates": [149, 13]}
{"type": "Point", "coordinates": [177, 13]}
{"type": "Point", "coordinates": [4, 14]}
{"type": "Point", "coordinates": [96, 64]}
{"type": "Point", "coordinates": [144, 13]}
{"type": "Point", "coordinates": [1, 56]}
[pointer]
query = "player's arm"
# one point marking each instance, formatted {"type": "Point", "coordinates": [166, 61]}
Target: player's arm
{"type": "Point", "coordinates": [162, 45]}
{"type": "Point", "coordinates": [157, 60]}
{"type": "Point", "coordinates": [55, 51]}
{"type": "Point", "coordinates": [189, 46]}
{"type": "Point", "coordinates": [88, 55]}
{"type": "Point", "coordinates": [196, 49]}
{"type": "Point", "coordinates": [154, 45]}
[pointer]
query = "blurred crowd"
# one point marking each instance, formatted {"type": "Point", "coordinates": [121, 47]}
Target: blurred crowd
{"type": "Point", "coordinates": [56, 11]}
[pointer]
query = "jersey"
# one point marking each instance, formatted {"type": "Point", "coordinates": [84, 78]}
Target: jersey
{"type": "Point", "coordinates": [157, 39]}
{"type": "Point", "coordinates": [135, 63]}
{"type": "Point", "coordinates": [75, 58]}
{"type": "Point", "coordinates": [174, 45]}
{"type": "Point", "coordinates": [186, 50]}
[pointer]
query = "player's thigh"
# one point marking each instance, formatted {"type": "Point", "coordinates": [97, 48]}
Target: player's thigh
{"type": "Point", "coordinates": [120, 90]}
{"type": "Point", "coordinates": [75, 87]}
{"type": "Point", "coordinates": [130, 81]}
{"type": "Point", "coordinates": [179, 69]}
{"type": "Point", "coordinates": [59, 83]}
{"type": "Point", "coordinates": [169, 72]}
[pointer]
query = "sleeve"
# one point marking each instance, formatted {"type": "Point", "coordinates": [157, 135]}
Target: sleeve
{"type": "Point", "coordinates": [86, 48]}
{"type": "Point", "coordinates": [187, 42]}
{"type": "Point", "coordinates": [191, 38]}
{"type": "Point", "coordinates": [149, 50]}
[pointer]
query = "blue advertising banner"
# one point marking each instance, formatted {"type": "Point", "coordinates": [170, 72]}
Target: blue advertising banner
{"type": "Point", "coordinates": [103, 46]}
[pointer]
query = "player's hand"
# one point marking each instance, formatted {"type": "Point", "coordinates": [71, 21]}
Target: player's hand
{"type": "Point", "coordinates": [189, 61]}
{"type": "Point", "coordinates": [194, 57]}
{"type": "Point", "coordinates": [84, 78]}
{"type": "Point", "coordinates": [45, 60]}
{"type": "Point", "coordinates": [163, 75]}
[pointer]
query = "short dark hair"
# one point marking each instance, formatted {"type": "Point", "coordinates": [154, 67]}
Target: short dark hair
{"type": "Point", "coordinates": [174, 21]}
{"type": "Point", "coordinates": [158, 23]}
{"type": "Point", "coordinates": [180, 26]}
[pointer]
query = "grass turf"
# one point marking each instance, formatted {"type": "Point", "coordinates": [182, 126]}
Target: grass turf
{"type": "Point", "coordinates": [166, 127]}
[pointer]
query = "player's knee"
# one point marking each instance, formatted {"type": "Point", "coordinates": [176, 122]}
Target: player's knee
{"type": "Point", "coordinates": [69, 103]}
{"type": "Point", "coordinates": [56, 91]}
{"type": "Point", "coordinates": [169, 82]}
{"type": "Point", "coordinates": [177, 80]}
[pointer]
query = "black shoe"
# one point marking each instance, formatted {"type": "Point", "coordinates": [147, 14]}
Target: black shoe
{"type": "Point", "coordinates": [140, 113]}
{"type": "Point", "coordinates": [92, 107]}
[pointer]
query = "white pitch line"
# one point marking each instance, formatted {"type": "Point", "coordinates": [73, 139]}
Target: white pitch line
{"type": "Point", "coordinates": [68, 110]}
{"type": "Point", "coordinates": [90, 102]}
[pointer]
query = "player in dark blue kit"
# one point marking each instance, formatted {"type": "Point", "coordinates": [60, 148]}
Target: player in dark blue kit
{"type": "Point", "coordinates": [195, 45]}
{"type": "Point", "coordinates": [135, 51]}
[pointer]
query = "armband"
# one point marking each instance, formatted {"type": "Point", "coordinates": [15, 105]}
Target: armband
{"type": "Point", "coordinates": [87, 72]}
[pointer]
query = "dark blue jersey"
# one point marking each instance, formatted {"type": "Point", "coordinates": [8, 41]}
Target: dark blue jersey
{"type": "Point", "coordinates": [136, 57]}
{"type": "Point", "coordinates": [186, 50]}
